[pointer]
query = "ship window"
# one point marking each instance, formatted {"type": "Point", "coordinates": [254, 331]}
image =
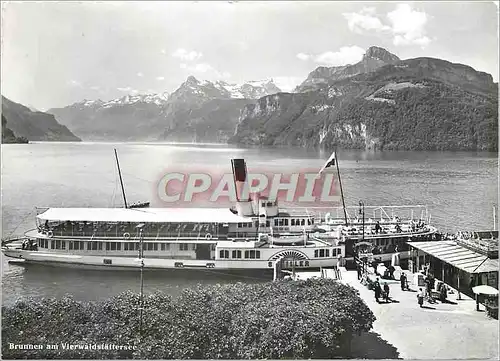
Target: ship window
{"type": "Point", "coordinates": [268, 224]}
{"type": "Point", "coordinates": [162, 246]}
{"type": "Point", "coordinates": [312, 221]}
{"type": "Point", "coordinates": [263, 204]}
{"type": "Point", "coordinates": [252, 254]}
{"type": "Point", "coordinates": [118, 246]}
{"type": "Point", "coordinates": [309, 221]}
{"type": "Point", "coordinates": [236, 254]}
{"type": "Point", "coordinates": [70, 245]}
{"type": "Point", "coordinates": [286, 221]}
{"type": "Point", "coordinates": [113, 246]}
{"type": "Point", "coordinates": [275, 221]}
{"type": "Point", "coordinates": [239, 225]}
{"type": "Point", "coordinates": [293, 222]}
{"type": "Point", "coordinates": [302, 222]}
{"type": "Point", "coordinates": [316, 253]}
{"type": "Point", "coordinates": [339, 251]}
{"type": "Point", "coordinates": [125, 246]}
{"type": "Point", "coordinates": [52, 244]}
{"type": "Point", "coordinates": [250, 224]}
{"type": "Point", "coordinates": [150, 246]}
{"type": "Point", "coordinates": [327, 253]}
{"type": "Point", "coordinates": [322, 253]}
{"type": "Point", "coordinates": [107, 246]}
{"type": "Point", "coordinates": [224, 254]}
{"type": "Point", "coordinates": [256, 224]}
{"type": "Point", "coordinates": [155, 246]}
{"type": "Point", "coordinates": [183, 246]}
{"type": "Point", "coordinates": [99, 246]}
{"type": "Point", "coordinates": [334, 252]}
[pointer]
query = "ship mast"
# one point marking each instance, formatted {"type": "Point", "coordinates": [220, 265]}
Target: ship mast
{"type": "Point", "coordinates": [121, 181]}
{"type": "Point", "coordinates": [341, 191]}
{"type": "Point", "coordinates": [333, 160]}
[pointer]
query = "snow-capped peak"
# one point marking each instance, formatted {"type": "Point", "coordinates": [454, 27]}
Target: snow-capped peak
{"type": "Point", "coordinates": [153, 98]}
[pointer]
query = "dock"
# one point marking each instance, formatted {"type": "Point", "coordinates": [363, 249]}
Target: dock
{"type": "Point", "coordinates": [452, 330]}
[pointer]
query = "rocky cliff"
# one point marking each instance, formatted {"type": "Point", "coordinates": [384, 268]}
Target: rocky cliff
{"type": "Point", "coordinates": [8, 135]}
{"type": "Point", "coordinates": [373, 59]}
{"type": "Point", "coordinates": [33, 126]}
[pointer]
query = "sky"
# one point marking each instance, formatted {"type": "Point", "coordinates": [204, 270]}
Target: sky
{"type": "Point", "coordinates": [57, 53]}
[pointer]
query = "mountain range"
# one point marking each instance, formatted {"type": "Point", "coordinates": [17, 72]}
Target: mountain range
{"type": "Point", "coordinates": [20, 125]}
{"type": "Point", "coordinates": [380, 102]}
{"type": "Point", "coordinates": [198, 110]}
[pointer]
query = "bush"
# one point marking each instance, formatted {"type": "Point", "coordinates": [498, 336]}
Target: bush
{"type": "Point", "coordinates": [284, 319]}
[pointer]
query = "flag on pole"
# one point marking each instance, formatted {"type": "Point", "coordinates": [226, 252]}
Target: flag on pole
{"type": "Point", "coordinates": [329, 163]}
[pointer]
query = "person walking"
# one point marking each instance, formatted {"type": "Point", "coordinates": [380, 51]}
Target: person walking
{"type": "Point", "coordinates": [386, 292]}
{"type": "Point", "coordinates": [403, 281]}
{"type": "Point", "coordinates": [378, 290]}
{"type": "Point", "coordinates": [420, 297]}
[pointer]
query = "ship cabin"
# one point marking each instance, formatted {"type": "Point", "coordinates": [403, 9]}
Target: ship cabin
{"type": "Point", "coordinates": [165, 232]}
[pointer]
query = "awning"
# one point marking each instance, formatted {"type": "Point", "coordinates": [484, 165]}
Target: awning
{"type": "Point", "coordinates": [485, 290]}
{"type": "Point", "coordinates": [458, 256]}
{"type": "Point", "coordinates": [143, 215]}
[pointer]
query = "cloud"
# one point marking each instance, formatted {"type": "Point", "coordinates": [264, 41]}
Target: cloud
{"type": "Point", "coordinates": [345, 55]}
{"type": "Point", "coordinates": [163, 51]}
{"type": "Point", "coordinates": [128, 90]}
{"type": "Point", "coordinates": [95, 87]}
{"type": "Point", "coordinates": [139, 74]}
{"type": "Point", "coordinates": [303, 56]}
{"type": "Point", "coordinates": [186, 55]}
{"type": "Point", "coordinates": [160, 78]}
{"type": "Point", "coordinates": [405, 25]}
{"type": "Point", "coordinates": [75, 83]}
{"type": "Point", "coordinates": [206, 69]}
{"type": "Point", "coordinates": [408, 26]}
{"type": "Point", "coordinates": [287, 83]}
{"type": "Point", "coordinates": [364, 21]}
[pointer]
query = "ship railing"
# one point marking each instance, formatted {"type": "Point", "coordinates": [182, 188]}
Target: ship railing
{"type": "Point", "coordinates": [480, 244]}
{"type": "Point", "coordinates": [377, 212]}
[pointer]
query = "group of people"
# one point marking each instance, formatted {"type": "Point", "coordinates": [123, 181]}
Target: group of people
{"type": "Point", "coordinates": [28, 245]}
{"type": "Point", "coordinates": [381, 292]}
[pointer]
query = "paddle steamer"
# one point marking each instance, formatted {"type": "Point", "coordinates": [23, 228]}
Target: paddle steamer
{"type": "Point", "coordinates": [252, 236]}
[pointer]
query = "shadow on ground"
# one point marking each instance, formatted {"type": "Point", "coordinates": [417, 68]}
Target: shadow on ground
{"type": "Point", "coordinates": [371, 346]}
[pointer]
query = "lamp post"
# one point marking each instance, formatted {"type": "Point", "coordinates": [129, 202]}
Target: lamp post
{"type": "Point", "coordinates": [141, 258]}
{"type": "Point", "coordinates": [362, 212]}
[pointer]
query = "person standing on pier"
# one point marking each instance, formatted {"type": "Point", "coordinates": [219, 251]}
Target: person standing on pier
{"type": "Point", "coordinates": [403, 281]}
{"type": "Point", "coordinates": [378, 290]}
{"type": "Point", "coordinates": [386, 292]}
{"type": "Point", "coordinates": [420, 297]}
{"type": "Point", "coordinates": [358, 270]}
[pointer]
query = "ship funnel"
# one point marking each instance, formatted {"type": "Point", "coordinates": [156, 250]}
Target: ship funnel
{"type": "Point", "coordinates": [240, 176]}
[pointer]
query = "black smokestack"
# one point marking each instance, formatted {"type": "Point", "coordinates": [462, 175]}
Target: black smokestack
{"type": "Point", "coordinates": [240, 178]}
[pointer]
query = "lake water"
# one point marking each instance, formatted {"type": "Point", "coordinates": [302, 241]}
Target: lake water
{"type": "Point", "coordinates": [459, 188]}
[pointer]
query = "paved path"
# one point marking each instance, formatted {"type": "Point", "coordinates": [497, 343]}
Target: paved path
{"type": "Point", "coordinates": [441, 331]}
